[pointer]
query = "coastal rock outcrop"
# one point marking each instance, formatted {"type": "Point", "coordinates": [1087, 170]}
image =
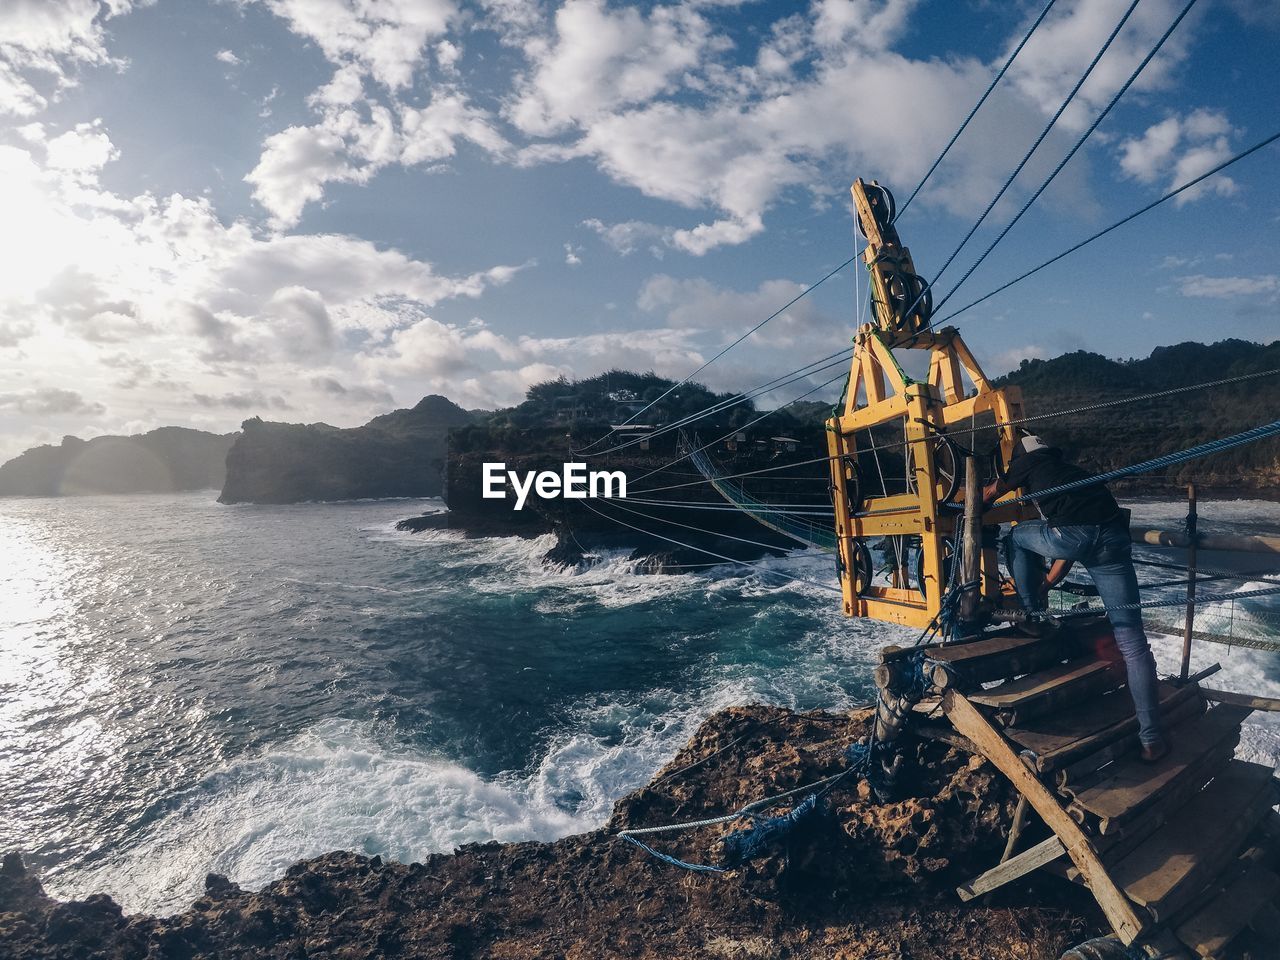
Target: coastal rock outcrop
{"type": "Point", "coordinates": [166, 460]}
{"type": "Point", "coordinates": [860, 881]}
{"type": "Point", "coordinates": [398, 454]}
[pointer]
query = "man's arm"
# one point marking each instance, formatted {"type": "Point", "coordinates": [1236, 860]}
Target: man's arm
{"type": "Point", "coordinates": [995, 489]}
{"type": "Point", "coordinates": [1057, 573]}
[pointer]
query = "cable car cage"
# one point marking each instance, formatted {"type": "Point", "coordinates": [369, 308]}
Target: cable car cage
{"type": "Point", "coordinates": [880, 392]}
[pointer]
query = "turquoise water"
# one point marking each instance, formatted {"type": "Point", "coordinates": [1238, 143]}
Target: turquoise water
{"type": "Point", "coordinates": [188, 687]}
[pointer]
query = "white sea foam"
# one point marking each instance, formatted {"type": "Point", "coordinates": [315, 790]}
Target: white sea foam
{"type": "Point", "coordinates": [334, 788]}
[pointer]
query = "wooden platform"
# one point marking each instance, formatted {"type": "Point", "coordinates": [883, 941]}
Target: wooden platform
{"type": "Point", "coordinates": [1181, 854]}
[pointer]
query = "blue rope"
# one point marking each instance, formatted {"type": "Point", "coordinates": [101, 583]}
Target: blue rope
{"type": "Point", "coordinates": [1169, 459]}
{"type": "Point", "coordinates": [977, 106]}
{"type": "Point", "coordinates": [672, 861]}
{"type": "Point", "coordinates": [1071, 153]}
{"type": "Point", "coordinates": [743, 845]}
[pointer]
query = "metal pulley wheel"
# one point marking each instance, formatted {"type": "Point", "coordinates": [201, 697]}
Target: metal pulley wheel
{"type": "Point", "coordinates": [946, 468]}
{"type": "Point", "coordinates": [862, 569]}
{"type": "Point", "coordinates": [883, 207]}
{"type": "Point", "coordinates": [948, 564]}
{"type": "Point", "coordinates": [852, 477]}
{"type": "Point", "coordinates": [906, 291]}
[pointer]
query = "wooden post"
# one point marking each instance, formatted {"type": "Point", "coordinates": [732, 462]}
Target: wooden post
{"type": "Point", "coordinates": [971, 548]}
{"type": "Point", "coordinates": [1191, 580]}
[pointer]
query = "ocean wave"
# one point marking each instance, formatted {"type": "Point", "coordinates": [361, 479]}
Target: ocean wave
{"type": "Point", "coordinates": [333, 788]}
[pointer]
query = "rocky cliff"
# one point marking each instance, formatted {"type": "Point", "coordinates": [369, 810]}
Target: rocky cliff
{"type": "Point", "coordinates": [162, 461]}
{"type": "Point", "coordinates": [861, 880]}
{"type": "Point", "coordinates": [399, 454]}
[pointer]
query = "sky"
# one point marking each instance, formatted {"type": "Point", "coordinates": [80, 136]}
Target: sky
{"type": "Point", "coordinates": [319, 210]}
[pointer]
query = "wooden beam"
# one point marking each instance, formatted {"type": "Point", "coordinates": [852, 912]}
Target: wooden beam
{"type": "Point", "coordinates": [1241, 699]}
{"type": "Point", "coordinates": [1046, 851]}
{"type": "Point", "coordinates": [1119, 911]}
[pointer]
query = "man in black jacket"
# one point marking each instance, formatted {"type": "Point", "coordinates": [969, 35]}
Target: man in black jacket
{"type": "Point", "coordinates": [1085, 525]}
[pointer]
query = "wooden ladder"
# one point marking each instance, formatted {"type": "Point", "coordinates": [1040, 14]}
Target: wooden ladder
{"type": "Point", "coordinates": [1181, 852]}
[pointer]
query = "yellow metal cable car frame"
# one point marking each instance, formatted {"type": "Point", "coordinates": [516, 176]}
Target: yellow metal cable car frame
{"type": "Point", "coordinates": [880, 392]}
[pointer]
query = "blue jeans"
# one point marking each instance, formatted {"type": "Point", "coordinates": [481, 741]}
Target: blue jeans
{"type": "Point", "coordinates": [1106, 552]}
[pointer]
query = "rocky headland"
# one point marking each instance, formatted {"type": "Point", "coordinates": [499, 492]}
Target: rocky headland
{"type": "Point", "coordinates": [166, 460]}
{"type": "Point", "coordinates": [398, 454]}
{"type": "Point", "coordinates": [858, 881]}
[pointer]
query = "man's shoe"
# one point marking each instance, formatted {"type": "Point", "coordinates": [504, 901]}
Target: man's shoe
{"type": "Point", "coordinates": [1151, 752]}
{"type": "Point", "coordinates": [1038, 625]}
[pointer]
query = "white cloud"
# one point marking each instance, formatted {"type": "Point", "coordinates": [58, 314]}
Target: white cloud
{"type": "Point", "coordinates": [571, 255]}
{"type": "Point", "coordinates": [48, 39]}
{"type": "Point", "coordinates": [1266, 286]}
{"type": "Point", "coordinates": [625, 237]}
{"type": "Point", "coordinates": [92, 274]}
{"type": "Point", "coordinates": [1180, 148]}
{"type": "Point", "coordinates": [1057, 54]}
{"type": "Point", "coordinates": [385, 38]}
{"type": "Point", "coordinates": [601, 59]}
{"type": "Point", "coordinates": [228, 57]}
{"type": "Point", "coordinates": [50, 401]}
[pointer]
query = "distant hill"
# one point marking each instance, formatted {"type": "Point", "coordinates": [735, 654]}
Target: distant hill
{"type": "Point", "coordinates": [1119, 436]}
{"type": "Point", "coordinates": [399, 454]}
{"type": "Point", "coordinates": [162, 461]}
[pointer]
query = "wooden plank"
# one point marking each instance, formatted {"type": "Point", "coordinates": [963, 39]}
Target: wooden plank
{"type": "Point", "coordinates": [1212, 928]}
{"type": "Point", "coordinates": [1078, 732]}
{"type": "Point", "coordinates": [1180, 858]}
{"type": "Point", "coordinates": [1002, 657]}
{"type": "Point", "coordinates": [1073, 773]}
{"type": "Point", "coordinates": [1167, 801]}
{"type": "Point", "coordinates": [1241, 699]}
{"type": "Point", "coordinates": [1046, 851]}
{"type": "Point", "coordinates": [1023, 699]}
{"type": "Point", "coordinates": [968, 720]}
{"type": "Point", "coordinates": [1129, 785]}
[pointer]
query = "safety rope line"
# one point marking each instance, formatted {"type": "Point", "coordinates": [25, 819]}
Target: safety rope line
{"type": "Point", "coordinates": [1119, 223]}
{"type": "Point", "coordinates": [977, 106]}
{"type": "Point", "coordinates": [711, 553]}
{"type": "Point", "coordinates": [727, 507]}
{"type": "Point", "coordinates": [927, 287]}
{"type": "Point", "coordinates": [813, 286]}
{"type": "Point", "coordinates": [1213, 574]}
{"type": "Point", "coordinates": [1070, 153]}
{"type": "Point", "coordinates": [800, 373]}
{"type": "Point", "coordinates": [745, 426]}
{"type": "Point", "coordinates": [1178, 602]}
{"type": "Point", "coordinates": [1167, 460]}
{"type": "Point", "coordinates": [712, 533]}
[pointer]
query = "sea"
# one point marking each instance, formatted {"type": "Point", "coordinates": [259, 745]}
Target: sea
{"type": "Point", "coordinates": [188, 687]}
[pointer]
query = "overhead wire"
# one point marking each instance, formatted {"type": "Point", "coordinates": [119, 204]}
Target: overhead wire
{"type": "Point", "coordinates": [675, 386]}
{"type": "Point", "coordinates": [745, 426]}
{"type": "Point", "coordinates": [1023, 162]}
{"type": "Point", "coordinates": [800, 373]}
{"type": "Point", "coordinates": [919, 186]}
{"type": "Point", "coordinates": [1119, 223]}
{"type": "Point", "coordinates": [1070, 153]}
{"type": "Point", "coordinates": [977, 106]}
